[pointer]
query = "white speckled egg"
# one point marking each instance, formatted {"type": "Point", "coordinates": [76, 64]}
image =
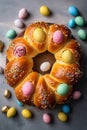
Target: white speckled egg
{"type": "Point", "coordinates": [45, 66]}
{"type": "Point", "coordinates": [19, 23]}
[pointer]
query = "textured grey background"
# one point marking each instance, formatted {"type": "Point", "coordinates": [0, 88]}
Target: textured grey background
{"type": "Point", "coordinates": [8, 13]}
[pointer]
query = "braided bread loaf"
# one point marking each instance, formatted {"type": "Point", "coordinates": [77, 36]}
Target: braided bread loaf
{"type": "Point", "coordinates": [44, 90]}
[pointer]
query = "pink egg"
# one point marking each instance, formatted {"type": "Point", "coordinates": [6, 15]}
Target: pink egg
{"type": "Point", "coordinates": [46, 118]}
{"type": "Point", "coordinates": [23, 13]}
{"type": "Point", "coordinates": [76, 95]}
{"type": "Point", "coordinates": [28, 88]}
{"type": "Point", "coordinates": [20, 51]}
{"type": "Point", "coordinates": [58, 36]}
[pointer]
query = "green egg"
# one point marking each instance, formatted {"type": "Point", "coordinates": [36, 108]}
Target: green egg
{"type": "Point", "coordinates": [63, 89]}
{"type": "Point", "coordinates": [82, 34]}
{"type": "Point", "coordinates": [80, 21]}
{"type": "Point", "coordinates": [11, 34]}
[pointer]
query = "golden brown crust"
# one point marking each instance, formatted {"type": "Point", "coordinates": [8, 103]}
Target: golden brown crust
{"type": "Point", "coordinates": [44, 97]}
{"type": "Point", "coordinates": [28, 35]}
{"type": "Point", "coordinates": [19, 69]}
{"type": "Point", "coordinates": [32, 77]}
{"type": "Point", "coordinates": [53, 83]}
{"type": "Point", "coordinates": [66, 73]}
{"type": "Point", "coordinates": [52, 46]}
{"type": "Point", "coordinates": [63, 99]}
{"type": "Point", "coordinates": [74, 47]}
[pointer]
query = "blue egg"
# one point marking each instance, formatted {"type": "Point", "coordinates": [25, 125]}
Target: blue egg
{"type": "Point", "coordinates": [73, 11]}
{"type": "Point", "coordinates": [66, 108]}
{"type": "Point", "coordinates": [71, 23]}
{"type": "Point", "coordinates": [19, 103]}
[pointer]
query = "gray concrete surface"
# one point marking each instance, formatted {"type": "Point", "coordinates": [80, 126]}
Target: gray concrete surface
{"type": "Point", "coordinates": [8, 13]}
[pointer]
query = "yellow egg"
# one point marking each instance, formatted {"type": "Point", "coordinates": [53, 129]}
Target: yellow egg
{"type": "Point", "coordinates": [39, 35]}
{"type": "Point", "coordinates": [44, 10]}
{"type": "Point", "coordinates": [62, 116]}
{"type": "Point", "coordinates": [11, 112]}
{"type": "Point", "coordinates": [26, 113]}
{"type": "Point", "coordinates": [67, 56]}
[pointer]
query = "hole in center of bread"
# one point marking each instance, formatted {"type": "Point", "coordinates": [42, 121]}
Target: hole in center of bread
{"type": "Point", "coordinates": [41, 58]}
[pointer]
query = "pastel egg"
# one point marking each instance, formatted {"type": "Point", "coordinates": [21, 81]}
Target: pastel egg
{"type": "Point", "coordinates": [58, 36]}
{"type": "Point", "coordinates": [66, 109]}
{"type": "Point", "coordinates": [76, 95]}
{"type": "Point", "coordinates": [11, 34]}
{"type": "Point", "coordinates": [19, 23]}
{"type": "Point", "coordinates": [73, 11]}
{"type": "Point", "coordinates": [45, 66]}
{"type": "Point", "coordinates": [26, 113]}
{"type": "Point", "coordinates": [19, 103]}
{"type": "Point", "coordinates": [20, 51]}
{"type": "Point", "coordinates": [23, 13]}
{"type": "Point", "coordinates": [82, 34]}
{"type": "Point", "coordinates": [71, 23]}
{"type": "Point", "coordinates": [39, 34]}
{"type": "Point", "coordinates": [5, 109]}
{"type": "Point", "coordinates": [11, 112]}
{"type": "Point", "coordinates": [46, 118]}
{"type": "Point", "coordinates": [80, 21]}
{"type": "Point", "coordinates": [67, 56]}
{"type": "Point", "coordinates": [44, 10]}
{"type": "Point", "coordinates": [28, 88]}
{"type": "Point", "coordinates": [62, 117]}
{"type": "Point", "coordinates": [63, 89]}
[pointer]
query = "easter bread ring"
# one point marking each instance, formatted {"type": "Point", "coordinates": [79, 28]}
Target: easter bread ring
{"type": "Point", "coordinates": [55, 84]}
